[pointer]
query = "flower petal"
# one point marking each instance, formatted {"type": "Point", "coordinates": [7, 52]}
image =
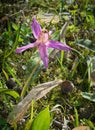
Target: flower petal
{"type": "Point", "coordinates": [36, 28]}
{"type": "Point", "coordinates": [58, 45]}
{"type": "Point", "coordinates": [23, 48]}
{"type": "Point", "coordinates": [44, 54]}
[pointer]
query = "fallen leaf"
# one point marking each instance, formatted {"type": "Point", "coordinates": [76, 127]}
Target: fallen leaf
{"type": "Point", "coordinates": [82, 128]}
{"type": "Point", "coordinates": [36, 93]}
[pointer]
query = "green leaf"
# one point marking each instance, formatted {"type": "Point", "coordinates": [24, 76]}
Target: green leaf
{"type": "Point", "coordinates": [89, 123]}
{"type": "Point", "coordinates": [12, 93]}
{"type": "Point", "coordinates": [13, 74]}
{"type": "Point", "coordinates": [76, 117]}
{"type": "Point", "coordinates": [20, 39]}
{"type": "Point", "coordinates": [15, 27]}
{"type": "Point", "coordinates": [56, 35]}
{"type": "Point", "coordinates": [2, 89]}
{"type": "Point", "coordinates": [86, 44]}
{"type": "Point", "coordinates": [42, 122]}
{"type": "Point", "coordinates": [89, 96]}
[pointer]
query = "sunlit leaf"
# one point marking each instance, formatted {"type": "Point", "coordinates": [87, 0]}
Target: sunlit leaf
{"type": "Point", "coordinates": [5, 73]}
{"type": "Point", "coordinates": [20, 39]}
{"type": "Point", "coordinates": [42, 121]}
{"type": "Point", "coordinates": [12, 93]}
{"type": "Point", "coordinates": [76, 117]}
{"type": "Point", "coordinates": [15, 27]}
{"type": "Point", "coordinates": [89, 123]}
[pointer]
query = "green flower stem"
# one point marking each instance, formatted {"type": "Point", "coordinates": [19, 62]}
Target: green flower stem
{"type": "Point", "coordinates": [28, 80]}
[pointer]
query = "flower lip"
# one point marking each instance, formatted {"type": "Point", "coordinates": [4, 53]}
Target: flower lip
{"type": "Point", "coordinates": [43, 37]}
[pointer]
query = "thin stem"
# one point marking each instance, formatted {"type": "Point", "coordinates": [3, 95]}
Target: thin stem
{"type": "Point", "coordinates": [28, 80]}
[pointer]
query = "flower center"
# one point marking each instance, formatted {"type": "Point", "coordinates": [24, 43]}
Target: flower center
{"type": "Point", "coordinates": [43, 37]}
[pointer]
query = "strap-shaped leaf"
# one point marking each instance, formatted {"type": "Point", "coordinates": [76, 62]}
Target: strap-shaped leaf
{"type": "Point", "coordinates": [12, 93]}
{"type": "Point", "coordinates": [36, 93]}
{"type": "Point", "coordinates": [86, 44]}
{"type": "Point", "coordinates": [89, 96]}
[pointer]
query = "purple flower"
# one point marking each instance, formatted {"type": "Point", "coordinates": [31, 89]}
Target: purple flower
{"type": "Point", "coordinates": [43, 42]}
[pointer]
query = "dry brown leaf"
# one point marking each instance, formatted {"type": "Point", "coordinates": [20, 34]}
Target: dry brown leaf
{"type": "Point", "coordinates": [82, 128]}
{"type": "Point", "coordinates": [36, 93]}
{"type": "Point", "coordinates": [47, 18]}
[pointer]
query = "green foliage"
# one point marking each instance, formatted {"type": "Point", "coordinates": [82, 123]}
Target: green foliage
{"type": "Point", "coordinates": [89, 96]}
{"type": "Point", "coordinates": [29, 123]}
{"type": "Point", "coordinates": [86, 44]}
{"type": "Point", "coordinates": [42, 121]}
{"type": "Point", "coordinates": [76, 123]}
{"type": "Point", "coordinates": [12, 93]}
{"type": "Point", "coordinates": [72, 66]}
{"type": "Point", "coordinates": [12, 37]}
{"type": "Point", "coordinates": [3, 124]}
{"type": "Point", "coordinates": [89, 123]}
{"type": "Point", "coordinates": [12, 73]}
{"type": "Point", "coordinates": [34, 67]}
